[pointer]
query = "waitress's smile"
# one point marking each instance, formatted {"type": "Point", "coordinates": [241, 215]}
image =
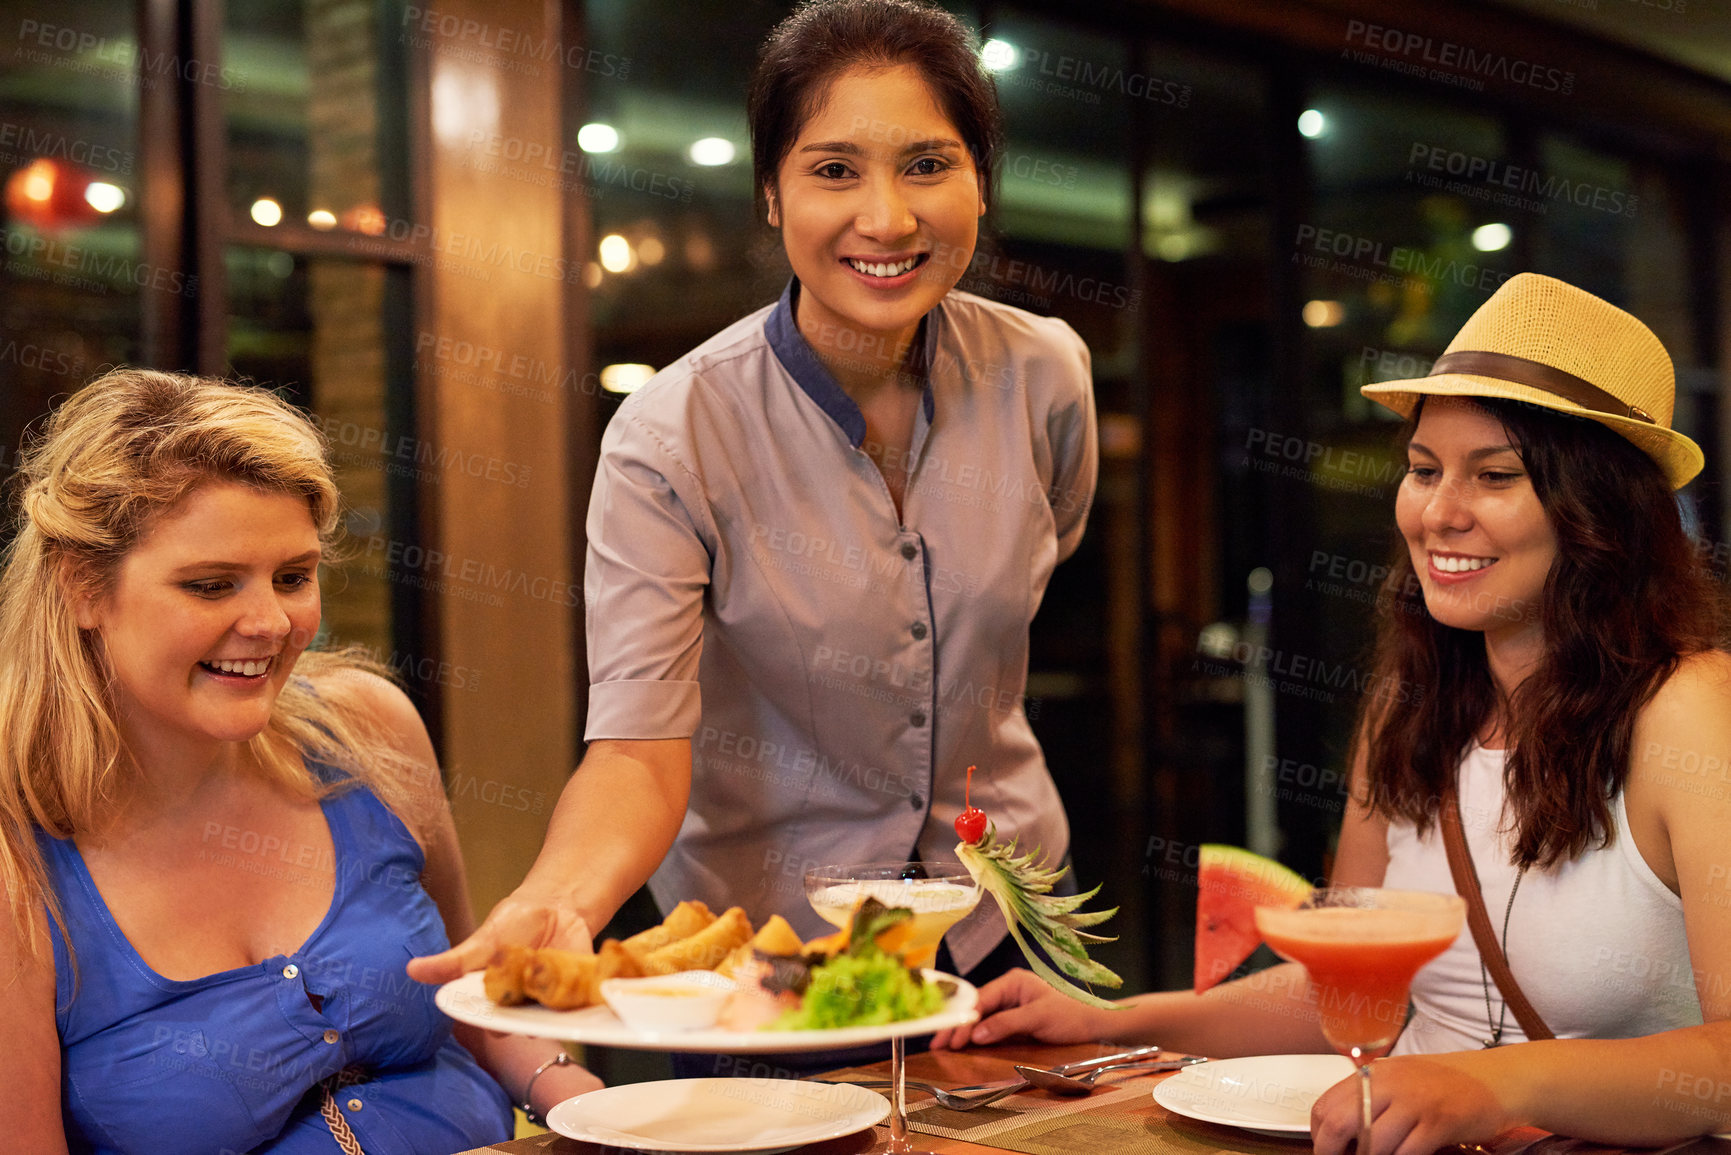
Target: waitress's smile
{"type": "Point", "coordinates": [877, 181]}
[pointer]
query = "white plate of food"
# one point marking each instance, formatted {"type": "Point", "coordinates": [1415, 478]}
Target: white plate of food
{"type": "Point", "coordinates": [756, 1115]}
{"type": "Point", "coordinates": [1267, 1094]}
{"type": "Point", "coordinates": [466, 1001]}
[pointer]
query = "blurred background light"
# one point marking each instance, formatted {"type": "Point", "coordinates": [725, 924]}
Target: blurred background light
{"type": "Point", "coordinates": [626, 377]}
{"type": "Point", "coordinates": [615, 253]}
{"type": "Point", "coordinates": [1311, 124]}
{"type": "Point", "coordinates": [104, 197]}
{"type": "Point", "coordinates": [1323, 314]}
{"type": "Point", "coordinates": [711, 151]}
{"type": "Point", "coordinates": [48, 194]}
{"type": "Point", "coordinates": [266, 212]}
{"type": "Point", "coordinates": [368, 219]}
{"type": "Point", "coordinates": [598, 137]}
{"type": "Point", "coordinates": [998, 55]}
{"type": "Point", "coordinates": [1492, 237]}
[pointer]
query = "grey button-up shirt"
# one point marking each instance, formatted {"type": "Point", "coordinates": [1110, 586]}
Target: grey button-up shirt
{"type": "Point", "coordinates": [837, 668]}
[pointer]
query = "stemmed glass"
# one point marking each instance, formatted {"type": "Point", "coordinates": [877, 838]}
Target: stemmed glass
{"type": "Point", "coordinates": [1361, 946]}
{"type": "Point", "coordinates": [940, 894]}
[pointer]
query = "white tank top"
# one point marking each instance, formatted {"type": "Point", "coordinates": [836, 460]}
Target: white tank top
{"type": "Point", "coordinates": [1597, 944]}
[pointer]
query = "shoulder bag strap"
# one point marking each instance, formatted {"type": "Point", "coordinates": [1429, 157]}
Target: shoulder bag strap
{"type": "Point", "coordinates": [1467, 885]}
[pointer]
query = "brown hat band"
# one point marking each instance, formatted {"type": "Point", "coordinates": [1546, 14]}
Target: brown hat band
{"type": "Point", "coordinates": [1519, 370]}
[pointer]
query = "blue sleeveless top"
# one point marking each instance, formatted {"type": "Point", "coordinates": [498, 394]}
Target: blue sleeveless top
{"type": "Point", "coordinates": [224, 1064]}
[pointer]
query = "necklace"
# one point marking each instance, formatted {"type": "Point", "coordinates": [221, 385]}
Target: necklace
{"type": "Point", "coordinates": [1496, 1027]}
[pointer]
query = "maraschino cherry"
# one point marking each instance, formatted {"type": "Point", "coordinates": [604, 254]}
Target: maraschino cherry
{"type": "Point", "coordinates": [971, 822]}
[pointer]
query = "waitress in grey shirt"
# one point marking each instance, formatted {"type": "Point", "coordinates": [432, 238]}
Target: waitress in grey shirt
{"type": "Point", "coordinates": [817, 540]}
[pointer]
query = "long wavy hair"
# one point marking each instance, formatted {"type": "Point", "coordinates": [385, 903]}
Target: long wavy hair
{"type": "Point", "coordinates": [112, 458]}
{"type": "Point", "coordinates": [1625, 601]}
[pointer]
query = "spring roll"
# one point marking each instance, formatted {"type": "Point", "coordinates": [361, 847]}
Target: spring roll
{"type": "Point", "coordinates": [561, 979]}
{"type": "Point", "coordinates": [685, 920]}
{"type": "Point", "coordinates": [503, 980]}
{"type": "Point", "coordinates": [704, 950]}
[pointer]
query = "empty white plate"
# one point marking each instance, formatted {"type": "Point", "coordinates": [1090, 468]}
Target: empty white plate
{"type": "Point", "coordinates": [758, 1115]}
{"type": "Point", "coordinates": [1267, 1094]}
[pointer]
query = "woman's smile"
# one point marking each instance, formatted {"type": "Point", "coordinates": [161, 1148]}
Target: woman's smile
{"type": "Point", "coordinates": [1479, 539]}
{"type": "Point", "coordinates": [1457, 567]}
{"type": "Point", "coordinates": [208, 615]}
{"type": "Point", "coordinates": [878, 203]}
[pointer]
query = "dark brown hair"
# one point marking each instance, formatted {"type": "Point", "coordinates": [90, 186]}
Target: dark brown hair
{"type": "Point", "coordinates": [824, 38]}
{"type": "Point", "coordinates": [1626, 600]}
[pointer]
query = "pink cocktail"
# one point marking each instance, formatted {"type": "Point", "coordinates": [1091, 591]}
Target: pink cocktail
{"type": "Point", "coordinates": [1361, 947]}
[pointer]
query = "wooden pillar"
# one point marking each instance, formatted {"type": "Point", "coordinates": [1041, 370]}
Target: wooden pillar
{"type": "Point", "coordinates": [497, 394]}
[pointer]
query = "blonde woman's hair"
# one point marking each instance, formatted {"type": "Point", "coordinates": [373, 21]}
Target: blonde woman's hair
{"type": "Point", "coordinates": [113, 457]}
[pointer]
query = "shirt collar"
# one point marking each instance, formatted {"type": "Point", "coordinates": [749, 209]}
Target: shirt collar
{"type": "Point", "coordinates": [801, 361]}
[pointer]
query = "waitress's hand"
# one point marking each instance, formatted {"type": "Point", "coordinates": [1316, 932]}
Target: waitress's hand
{"type": "Point", "coordinates": [521, 919]}
{"type": "Point", "coordinates": [1020, 1003]}
{"type": "Point", "coordinates": [1418, 1104]}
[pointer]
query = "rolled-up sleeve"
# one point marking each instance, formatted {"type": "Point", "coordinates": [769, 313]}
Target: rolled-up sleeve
{"type": "Point", "coordinates": [643, 587]}
{"type": "Point", "coordinates": [1074, 438]}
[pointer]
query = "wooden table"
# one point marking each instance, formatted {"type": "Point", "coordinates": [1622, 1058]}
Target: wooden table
{"type": "Point", "coordinates": [987, 1064]}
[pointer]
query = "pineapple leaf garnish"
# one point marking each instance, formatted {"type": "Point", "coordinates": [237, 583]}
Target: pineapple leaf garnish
{"type": "Point", "coordinates": [1022, 887]}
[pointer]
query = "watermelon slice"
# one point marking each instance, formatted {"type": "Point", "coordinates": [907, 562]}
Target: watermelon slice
{"type": "Point", "coordinates": [1230, 884]}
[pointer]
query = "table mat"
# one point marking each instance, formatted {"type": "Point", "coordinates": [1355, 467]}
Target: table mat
{"type": "Point", "coordinates": [1111, 1119]}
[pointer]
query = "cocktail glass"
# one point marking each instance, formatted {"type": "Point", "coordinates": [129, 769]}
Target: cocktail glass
{"type": "Point", "coordinates": [1361, 946]}
{"type": "Point", "coordinates": [940, 894]}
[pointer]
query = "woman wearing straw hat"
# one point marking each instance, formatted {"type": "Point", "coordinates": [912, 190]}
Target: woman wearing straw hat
{"type": "Point", "coordinates": [1577, 720]}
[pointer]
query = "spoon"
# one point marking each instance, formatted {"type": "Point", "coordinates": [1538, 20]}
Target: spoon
{"type": "Point", "coordinates": [1141, 1054]}
{"type": "Point", "coordinates": [1060, 1084]}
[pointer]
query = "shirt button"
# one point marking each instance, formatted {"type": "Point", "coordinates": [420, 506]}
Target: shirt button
{"type": "Point", "coordinates": [355, 1104]}
{"type": "Point", "coordinates": [290, 971]}
{"type": "Point", "coordinates": [915, 801]}
{"type": "Point", "coordinates": [919, 630]}
{"type": "Point", "coordinates": [918, 718]}
{"type": "Point", "coordinates": [330, 1036]}
{"type": "Point", "coordinates": [909, 550]}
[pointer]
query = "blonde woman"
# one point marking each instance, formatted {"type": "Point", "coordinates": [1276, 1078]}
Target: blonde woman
{"type": "Point", "coordinates": [219, 851]}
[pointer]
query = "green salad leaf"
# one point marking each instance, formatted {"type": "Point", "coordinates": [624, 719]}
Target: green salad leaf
{"type": "Point", "coordinates": [864, 985]}
{"type": "Point", "coordinates": [856, 990]}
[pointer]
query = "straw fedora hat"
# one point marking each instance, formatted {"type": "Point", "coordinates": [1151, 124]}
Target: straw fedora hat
{"type": "Point", "coordinates": [1545, 342]}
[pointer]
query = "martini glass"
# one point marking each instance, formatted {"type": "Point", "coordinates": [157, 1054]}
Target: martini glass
{"type": "Point", "coordinates": [1361, 946]}
{"type": "Point", "coordinates": [940, 894]}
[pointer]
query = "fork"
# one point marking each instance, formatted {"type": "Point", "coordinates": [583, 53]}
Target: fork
{"type": "Point", "coordinates": [953, 1099]}
{"type": "Point", "coordinates": [946, 1099]}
